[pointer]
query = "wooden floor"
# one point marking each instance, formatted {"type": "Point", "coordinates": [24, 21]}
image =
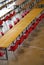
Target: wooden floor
{"type": "Point", "coordinates": [32, 52]}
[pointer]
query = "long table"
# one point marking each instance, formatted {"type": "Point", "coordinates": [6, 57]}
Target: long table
{"type": "Point", "coordinates": [4, 12]}
{"type": "Point", "coordinates": [16, 3]}
{"type": "Point", "coordinates": [12, 34]}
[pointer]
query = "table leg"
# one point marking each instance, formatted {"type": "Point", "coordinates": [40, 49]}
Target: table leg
{"type": "Point", "coordinates": [6, 54]}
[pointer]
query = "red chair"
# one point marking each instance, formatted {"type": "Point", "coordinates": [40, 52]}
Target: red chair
{"type": "Point", "coordinates": [6, 18]}
{"type": "Point", "coordinates": [37, 20]}
{"type": "Point", "coordinates": [23, 15]}
{"type": "Point", "coordinates": [21, 40]}
{"type": "Point", "coordinates": [1, 22]}
{"type": "Point", "coordinates": [17, 19]}
{"type": "Point", "coordinates": [33, 23]}
{"type": "Point", "coordinates": [15, 22]}
{"type": "Point", "coordinates": [2, 54]}
{"type": "Point", "coordinates": [36, 23]}
{"type": "Point", "coordinates": [13, 48]}
{"type": "Point", "coordinates": [30, 29]}
{"type": "Point", "coordinates": [10, 26]}
{"type": "Point", "coordinates": [13, 13]}
{"type": "Point", "coordinates": [2, 33]}
{"type": "Point", "coordinates": [42, 16]}
{"type": "Point", "coordinates": [3, 19]}
{"type": "Point", "coordinates": [27, 11]}
{"type": "Point", "coordinates": [26, 34]}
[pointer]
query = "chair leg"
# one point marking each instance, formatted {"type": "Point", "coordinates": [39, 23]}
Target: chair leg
{"type": "Point", "coordinates": [20, 50]}
{"type": "Point", "coordinates": [16, 56]}
{"type": "Point", "coordinates": [1, 62]}
{"type": "Point", "coordinates": [4, 62]}
{"type": "Point", "coordinates": [26, 44]}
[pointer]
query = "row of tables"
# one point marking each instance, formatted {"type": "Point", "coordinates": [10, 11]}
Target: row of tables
{"type": "Point", "coordinates": [17, 3]}
{"type": "Point", "coordinates": [6, 10]}
{"type": "Point", "coordinates": [7, 2]}
{"type": "Point", "coordinates": [27, 6]}
{"type": "Point", "coordinates": [40, 3]}
{"type": "Point", "coordinates": [3, 12]}
{"type": "Point", "coordinates": [12, 34]}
